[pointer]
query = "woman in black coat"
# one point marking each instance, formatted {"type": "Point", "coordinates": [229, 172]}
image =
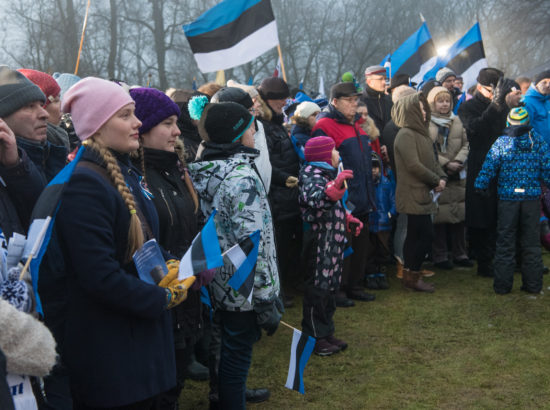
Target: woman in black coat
{"type": "Point", "coordinates": [118, 344]}
{"type": "Point", "coordinates": [177, 204]}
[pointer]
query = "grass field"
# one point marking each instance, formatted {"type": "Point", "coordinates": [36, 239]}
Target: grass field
{"type": "Point", "coordinates": [463, 347]}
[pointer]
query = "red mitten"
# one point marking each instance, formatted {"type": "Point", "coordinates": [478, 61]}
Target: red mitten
{"type": "Point", "coordinates": [342, 176]}
{"type": "Point", "coordinates": [353, 224]}
{"type": "Point", "coordinates": [334, 192]}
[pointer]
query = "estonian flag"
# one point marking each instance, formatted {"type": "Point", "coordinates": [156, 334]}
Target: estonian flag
{"type": "Point", "coordinates": [43, 218]}
{"type": "Point", "coordinates": [204, 252]}
{"type": "Point", "coordinates": [301, 349]}
{"type": "Point", "coordinates": [415, 56]}
{"type": "Point", "coordinates": [244, 256]}
{"type": "Point", "coordinates": [465, 57]}
{"type": "Point", "coordinates": [232, 33]}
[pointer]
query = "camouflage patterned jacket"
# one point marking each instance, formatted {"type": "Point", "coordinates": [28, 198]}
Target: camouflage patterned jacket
{"type": "Point", "coordinates": [233, 187]}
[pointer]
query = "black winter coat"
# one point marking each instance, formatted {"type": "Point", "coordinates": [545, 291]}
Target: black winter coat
{"type": "Point", "coordinates": [388, 139]}
{"type": "Point", "coordinates": [379, 106]}
{"type": "Point", "coordinates": [119, 347]}
{"type": "Point", "coordinates": [484, 122]}
{"type": "Point", "coordinates": [178, 225]}
{"type": "Point", "coordinates": [284, 163]}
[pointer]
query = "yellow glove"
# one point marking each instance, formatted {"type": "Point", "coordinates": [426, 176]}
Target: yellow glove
{"type": "Point", "coordinates": [177, 293]}
{"type": "Point", "coordinates": [291, 182]}
{"type": "Point", "coordinates": [173, 269]}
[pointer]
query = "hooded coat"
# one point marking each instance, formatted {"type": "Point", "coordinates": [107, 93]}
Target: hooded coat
{"type": "Point", "coordinates": [484, 122]}
{"type": "Point", "coordinates": [225, 180]}
{"type": "Point", "coordinates": [454, 147]}
{"type": "Point", "coordinates": [538, 107]}
{"type": "Point", "coordinates": [521, 161]}
{"type": "Point", "coordinates": [418, 171]}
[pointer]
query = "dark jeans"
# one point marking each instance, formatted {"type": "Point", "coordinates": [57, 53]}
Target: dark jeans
{"type": "Point", "coordinates": [319, 306]}
{"type": "Point", "coordinates": [418, 242]}
{"type": "Point", "coordinates": [239, 333]}
{"type": "Point", "coordinates": [483, 242]}
{"type": "Point", "coordinates": [511, 216]}
{"type": "Point", "coordinates": [354, 265]}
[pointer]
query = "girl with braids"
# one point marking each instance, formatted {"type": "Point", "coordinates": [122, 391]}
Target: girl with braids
{"type": "Point", "coordinates": [118, 343]}
{"type": "Point", "coordinates": [177, 204]}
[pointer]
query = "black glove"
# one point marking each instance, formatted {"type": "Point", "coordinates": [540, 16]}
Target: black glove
{"type": "Point", "coordinates": [482, 192]}
{"type": "Point", "coordinates": [269, 314]}
{"type": "Point", "coordinates": [503, 87]}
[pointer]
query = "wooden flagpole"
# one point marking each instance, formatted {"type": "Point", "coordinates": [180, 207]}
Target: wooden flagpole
{"type": "Point", "coordinates": [282, 62]}
{"type": "Point", "coordinates": [82, 37]}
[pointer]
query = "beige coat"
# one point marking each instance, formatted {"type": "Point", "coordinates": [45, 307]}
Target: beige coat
{"type": "Point", "coordinates": [418, 171]}
{"type": "Point", "coordinates": [452, 199]}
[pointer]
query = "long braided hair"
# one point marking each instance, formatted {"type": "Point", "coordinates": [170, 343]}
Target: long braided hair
{"type": "Point", "coordinates": [135, 232]}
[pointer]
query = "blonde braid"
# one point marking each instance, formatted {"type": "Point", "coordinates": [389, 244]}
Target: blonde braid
{"type": "Point", "coordinates": [135, 232]}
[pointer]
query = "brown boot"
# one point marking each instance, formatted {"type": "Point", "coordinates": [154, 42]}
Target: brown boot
{"type": "Point", "coordinates": [413, 280]}
{"type": "Point", "coordinates": [399, 267]}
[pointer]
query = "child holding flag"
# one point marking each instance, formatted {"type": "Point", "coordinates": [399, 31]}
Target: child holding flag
{"type": "Point", "coordinates": [321, 191]}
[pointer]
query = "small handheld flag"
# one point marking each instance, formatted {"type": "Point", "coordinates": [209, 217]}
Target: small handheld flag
{"type": "Point", "coordinates": [204, 253]}
{"type": "Point", "coordinates": [300, 351]}
{"type": "Point", "coordinates": [244, 256]}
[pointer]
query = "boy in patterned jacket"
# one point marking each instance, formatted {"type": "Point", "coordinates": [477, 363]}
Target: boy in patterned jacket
{"type": "Point", "coordinates": [321, 191]}
{"type": "Point", "coordinates": [520, 160]}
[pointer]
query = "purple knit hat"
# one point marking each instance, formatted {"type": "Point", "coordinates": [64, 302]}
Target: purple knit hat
{"type": "Point", "coordinates": [319, 149]}
{"type": "Point", "coordinates": [152, 107]}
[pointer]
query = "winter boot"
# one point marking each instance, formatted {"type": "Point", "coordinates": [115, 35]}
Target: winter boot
{"type": "Point", "coordinates": [371, 282]}
{"type": "Point", "coordinates": [413, 280]}
{"type": "Point", "coordinates": [324, 348]}
{"type": "Point", "coordinates": [382, 281]}
{"type": "Point", "coordinates": [399, 267]}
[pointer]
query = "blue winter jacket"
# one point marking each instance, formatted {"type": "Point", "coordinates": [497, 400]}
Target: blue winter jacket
{"type": "Point", "coordinates": [520, 160]}
{"type": "Point", "coordinates": [538, 107]}
{"type": "Point", "coordinates": [379, 220]}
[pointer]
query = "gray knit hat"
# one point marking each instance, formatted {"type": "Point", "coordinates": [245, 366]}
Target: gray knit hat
{"type": "Point", "coordinates": [443, 74]}
{"type": "Point", "coordinates": [16, 91]}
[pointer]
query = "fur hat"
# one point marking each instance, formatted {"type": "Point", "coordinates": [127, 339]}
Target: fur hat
{"type": "Point", "coordinates": [46, 82]}
{"type": "Point", "coordinates": [489, 76]}
{"type": "Point", "coordinates": [222, 123]}
{"type": "Point", "coordinates": [305, 109]}
{"type": "Point", "coordinates": [92, 102]}
{"type": "Point", "coordinates": [233, 94]}
{"type": "Point", "coordinates": [517, 116]}
{"type": "Point", "coordinates": [274, 88]}
{"type": "Point", "coordinates": [401, 79]}
{"type": "Point", "coordinates": [152, 107]}
{"type": "Point", "coordinates": [319, 149]}
{"type": "Point", "coordinates": [443, 74]}
{"type": "Point", "coordinates": [541, 76]}
{"type": "Point", "coordinates": [16, 91]}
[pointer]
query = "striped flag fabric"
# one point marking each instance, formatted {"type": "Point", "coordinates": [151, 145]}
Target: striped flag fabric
{"type": "Point", "coordinates": [415, 56]}
{"type": "Point", "coordinates": [300, 351]}
{"type": "Point", "coordinates": [278, 71]}
{"type": "Point", "coordinates": [204, 252]}
{"type": "Point", "coordinates": [232, 33]}
{"type": "Point", "coordinates": [465, 57]}
{"type": "Point", "coordinates": [244, 256]}
{"type": "Point", "coordinates": [43, 219]}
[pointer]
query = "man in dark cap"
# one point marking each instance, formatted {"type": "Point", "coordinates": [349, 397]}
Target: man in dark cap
{"type": "Point", "coordinates": [484, 118]}
{"type": "Point", "coordinates": [374, 96]}
{"type": "Point", "coordinates": [283, 192]}
{"type": "Point", "coordinates": [341, 123]}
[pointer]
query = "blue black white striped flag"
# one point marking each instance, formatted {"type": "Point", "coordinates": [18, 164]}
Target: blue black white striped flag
{"type": "Point", "coordinates": [300, 351]}
{"type": "Point", "coordinates": [415, 56]}
{"type": "Point", "coordinates": [204, 253]}
{"type": "Point", "coordinates": [244, 256]}
{"type": "Point", "coordinates": [232, 33]}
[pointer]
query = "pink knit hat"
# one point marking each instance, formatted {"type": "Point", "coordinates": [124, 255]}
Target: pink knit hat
{"type": "Point", "coordinates": [319, 149]}
{"type": "Point", "coordinates": [92, 102]}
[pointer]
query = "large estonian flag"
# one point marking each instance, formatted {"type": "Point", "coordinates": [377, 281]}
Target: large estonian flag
{"type": "Point", "coordinates": [465, 57]}
{"type": "Point", "coordinates": [244, 256]}
{"type": "Point", "coordinates": [43, 218]}
{"type": "Point", "coordinates": [232, 33]}
{"type": "Point", "coordinates": [301, 349]}
{"type": "Point", "coordinates": [415, 56]}
{"type": "Point", "coordinates": [204, 252]}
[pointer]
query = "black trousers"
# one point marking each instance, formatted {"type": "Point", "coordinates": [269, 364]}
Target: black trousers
{"type": "Point", "coordinates": [418, 241]}
{"type": "Point", "coordinates": [288, 235]}
{"type": "Point", "coordinates": [483, 242]}
{"type": "Point", "coordinates": [318, 309]}
{"type": "Point", "coordinates": [355, 265]}
{"type": "Point", "coordinates": [512, 215]}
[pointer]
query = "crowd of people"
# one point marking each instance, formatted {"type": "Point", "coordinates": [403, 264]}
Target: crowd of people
{"type": "Point", "coordinates": [339, 188]}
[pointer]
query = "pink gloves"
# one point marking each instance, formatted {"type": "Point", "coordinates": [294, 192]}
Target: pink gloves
{"type": "Point", "coordinates": [203, 278]}
{"type": "Point", "coordinates": [353, 224]}
{"type": "Point", "coordinates": [335, 189]}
